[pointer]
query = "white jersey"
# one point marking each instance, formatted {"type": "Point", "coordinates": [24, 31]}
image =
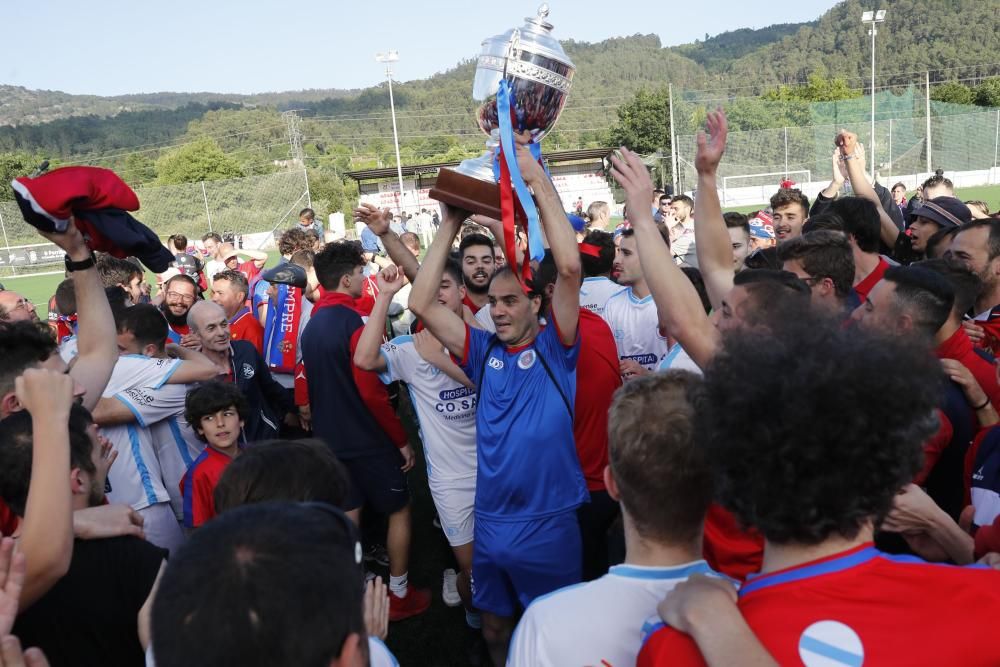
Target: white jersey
{"type": "Point", "coordinates": [135, 477]}
{"type": "Point", "coordinates": [677, 359]}
{"type": "Point", "coordinates": [446, 411]}
{"type": "Point", "coordinates": [485, 318]}
{"type": "Point", "coordinates": [175, 444]}
{"type": "Point", "coordinates": [68, 349]}
{"type": "Point", "coordinates": [598, 622]}
{"type": "Point", "coordinates": [379, 654]}
{"type": "Point", "coordinates": [595, 292]}
{"type": "Point", "coordinates": [636, 328]}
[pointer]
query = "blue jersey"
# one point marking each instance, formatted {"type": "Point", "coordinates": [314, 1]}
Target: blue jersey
{"type": "Point", "coordinates": [527, 463]}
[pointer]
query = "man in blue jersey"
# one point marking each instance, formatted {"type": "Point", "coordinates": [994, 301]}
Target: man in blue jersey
{"type": "Point", "coordinates": [529, 481]}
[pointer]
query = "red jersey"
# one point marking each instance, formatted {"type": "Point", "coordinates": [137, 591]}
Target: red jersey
{"type": "Point", "coordinates": [244, 326]}
{"type": "Point", "coordinates": [980, 363]}
{"type": "Point", "coordinates": [728, 548]}
{"type": "Point", "coordinates": [364, 303]}
{"type": "Point", "coordinates": [861, 606]}
{"type": "Point", "coordinates": [198, 486]}
{"type": "Point", "coordinates": [597, 378]}
{"type": "Point", "coordinates": [872, 279]}
{"type": "Point", "coordinates": [990, 322]}
{"type": "Point", "coordinates": [250, 270]}
{"type": "Point", "coordinates": [471, 304]}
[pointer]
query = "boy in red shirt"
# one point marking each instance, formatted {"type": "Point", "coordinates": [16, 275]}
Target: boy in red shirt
{"type": "Point", "coordinates": [216, 411]}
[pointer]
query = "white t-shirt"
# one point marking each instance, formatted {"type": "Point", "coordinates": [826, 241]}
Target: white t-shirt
{"type": "Point", "coordinates": [446, 411]}
{"type": "Point", "coordinates": [485, 319]}
{"type": "Point", "coordinates": [135, 477]}
{"type": "Point", "coordinates": [68, 349]}
{"type": "Point", "coordinates": [598, 622]}
{"type": "Point", "coordinates": [636, 328]}
{"type": "Point", "coordinates": [174, 441]}
{"type": "Point", "coordinates": [595, 292]}
{"type": "Point", "coordinates": [677, 359]}
{"type": "Point", "coordinates": [212, 267]}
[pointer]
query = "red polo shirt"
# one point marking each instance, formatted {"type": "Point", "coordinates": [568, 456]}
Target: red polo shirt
{"type": "Point", "coordinates": [244, 326]}
{"type": "Point", "coordinates": [471, 304]}
{"type": "Point", "coordinates": [982, 366]}
{"type": "Point", "coordinates": [597, 378]}
{"type": "Point", "coordinates": [872, 279]}
{"type": "Point", "coordinates": [198, 486]}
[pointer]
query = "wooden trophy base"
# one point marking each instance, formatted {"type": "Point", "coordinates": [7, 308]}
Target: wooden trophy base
{"type": "Point", "coordinates": [467, 193]}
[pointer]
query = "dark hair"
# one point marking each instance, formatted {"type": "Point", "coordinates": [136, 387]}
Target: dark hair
{"type": "Point", "coordinates": [937, 244]}
{"type": "Point", "coordinates": [683, 199]}
{"type": "Point", "coordinates": [543, 276]}
{"type": "Point", "coordinates": [304, 258]}
{"type": "Point", "coordinates": [184, 278]}
{"type": "Point", "coordinates": [180, 242]}
{"type": "Point", "coordinates": [454, 269]}
{"type": "Point", "coordinates": [117, 298]}
{"type": "Point", "coordinates": [926, 295]}
{"type": "Point", "coordinates": [993, 243]}
{"type": "Point", "coordinates": [211, 397]}
{"type": "Point", "coordinates": [23, 345]}
{"type": "Point", "coordinates": [307, 213]}
{"type": "Point", "coordinates": [900, 184]}
{"type": "Point", "coordinates": [145, 322]}
{"type": "Point", "coordinates": [824, 254]}
{"type": "Point", "coordinates": [694, 275]}
{"type": "Point", "coordinates": [964, 282]}
{"type": "Point", "coordinates": [662, 472]}
{"type": "Point", "coordinates": [786, 196]}
{"type": "Point", "coordinates": [661, 228]}
{"type": "Point", "coordinates": [297, 470]}
{"type": "Point", "coordinates": [475, 239]}
{"type": "Point", "coordinates": [294, 239]}
{"type": "Point", "coordinates": [213, 236]}
{"type": "Point", "coordinates": [337, 260]}
{"type": "Point", "coordinates": [114, 271]}
{"type": "Point", "coordinates": [16, 453]}
{"type": "Point", "coordinates": [736, 220]}
{"type": "Point", "coordinates": [237, 280]}
{"type": "Point", "coordinates": [774, 296]}
{"type": "Point", "coordinates": [861, 220]}
{"type": "Point", "coordinates": [824, 221]}
{"type": "Point", "coordinates": [66, 297]}
{"type": "Point", "coordinates": [935, 180]}
{"type": "Point", "coordinates": [605, 244]}
{"type": "Point", "coordinates": [284, 580]}
{"type": "Point", "coordinates": [818, 468]}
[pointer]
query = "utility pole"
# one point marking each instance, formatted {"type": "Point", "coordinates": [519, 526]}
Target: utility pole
{"type": "Point", "coordinates": [294, 137]}
{"type": "Point", "coordinates": [872, 19]}
{"type": "Point", "coordinates": [673, 139]}
{"type": "Point", "coordinates": [388, 58]}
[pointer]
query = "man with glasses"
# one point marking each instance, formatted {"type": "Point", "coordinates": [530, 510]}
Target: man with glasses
{"type": "Point", "coordinates": [179, 294]}
{"type": "Point", "coordinates": [825, 261]}
{"type": "Point", "coordinates": [16, 308]}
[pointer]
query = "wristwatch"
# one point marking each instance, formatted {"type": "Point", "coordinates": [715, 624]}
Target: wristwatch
{"type": "Point", "coordinates": [83, 264]}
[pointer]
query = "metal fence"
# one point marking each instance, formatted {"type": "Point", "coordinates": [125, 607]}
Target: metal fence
{"type": "Point", "coordinates": [240, 207]}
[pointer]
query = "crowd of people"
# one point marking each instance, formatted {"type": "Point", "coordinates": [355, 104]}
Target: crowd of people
{"type": "Point", "coordinates": [694, 438]}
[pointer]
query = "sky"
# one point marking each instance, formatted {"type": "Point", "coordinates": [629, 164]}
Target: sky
{"type": "Point", "coordinates": [113, 47]}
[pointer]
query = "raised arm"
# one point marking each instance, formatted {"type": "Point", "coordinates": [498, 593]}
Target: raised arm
{"type": "Point", "coordinates": [96, 341]}
{"type": "Point", "coordinates": [852, 153]}
{"type": "Point", "coordinates": [258, 257]}
{"type": "Point", "coordinates": [678, 305]}
{"type": "Point", "coordinates": [446, 326]}
{"type": "Point", "coordinates": [711, 239]}
{"type": "Point", "coordinates": [367, 354]}
{"type": "Point", "coordinates": [378, 222]}
{"type": "Point", "coordinates": [495, 228]}
{"type": "Point", "coordinates": [562, 240]}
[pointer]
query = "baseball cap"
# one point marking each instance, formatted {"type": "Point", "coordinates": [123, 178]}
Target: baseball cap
{"type": "Point", "coordinates": [945, 211]}
{"type": "Point", "coordinates": [285, 274]}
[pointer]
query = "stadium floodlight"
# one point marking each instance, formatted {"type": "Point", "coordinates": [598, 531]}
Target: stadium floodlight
{"type": "Point", "coordinates": [872, 19]}
{"type": "Point", "coordinates": [389, 57]}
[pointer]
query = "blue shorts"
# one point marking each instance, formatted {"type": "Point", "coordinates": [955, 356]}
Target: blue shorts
{"type": "Point", "coordinates": [515, 562]}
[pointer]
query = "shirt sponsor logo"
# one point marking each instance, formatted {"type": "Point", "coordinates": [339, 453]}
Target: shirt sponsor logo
{"type": "Point", "coordinates": [139, 396]}
{"type": "Point", "coordinates": [495, 364]}
{"type": "Point", "coordinates": [642, 359]}
{"type": "Point", "coordinates": [248, 371]}
{"type": "Point", "coordinates": [452, 394]}
{"type": "Point", "coordinates": [526, 360]}
{"type": "Point", "coordinates": [831, 644]}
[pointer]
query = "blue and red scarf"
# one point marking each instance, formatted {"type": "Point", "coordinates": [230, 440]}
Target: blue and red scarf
{"type": "Point", "coordinates": [281, 330]}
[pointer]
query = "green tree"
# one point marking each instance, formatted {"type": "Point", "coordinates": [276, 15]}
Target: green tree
{"type": "Point", "coordinates": [201, 160]}
{"type": "Point", "coordinates": [13, 165]}
{"type": "Point", "coordinates": [138, 168]}
{"type": "Point", "coordinates": [988, 93]}
{"type": "Point", "coordinates": [818, 89]}
{"type": "Point", "coordinates": [644, 122]}
{"type": "Point", "coordinates": [953, 92]}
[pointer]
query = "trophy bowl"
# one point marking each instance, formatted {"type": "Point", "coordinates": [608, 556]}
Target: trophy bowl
{"type": "Point", "coordinates": [540, 75]}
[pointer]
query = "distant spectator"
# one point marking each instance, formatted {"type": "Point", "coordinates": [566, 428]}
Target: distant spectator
{"type": "Point", "coordinates": [308, 222]}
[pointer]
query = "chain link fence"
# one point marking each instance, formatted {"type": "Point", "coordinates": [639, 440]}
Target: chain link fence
{"type": "Point", "coordinates": [246, 210]}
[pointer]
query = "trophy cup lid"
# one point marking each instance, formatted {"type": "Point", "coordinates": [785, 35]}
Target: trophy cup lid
{"type": "Point", "coordinates": [534, 37]}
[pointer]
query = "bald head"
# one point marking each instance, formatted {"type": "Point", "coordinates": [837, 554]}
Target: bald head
{"type": "Point", "coordinates": [209, 323]}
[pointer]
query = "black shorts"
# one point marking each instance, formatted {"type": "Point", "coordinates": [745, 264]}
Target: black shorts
{"type": "Point", "coordinates": [378, 482]}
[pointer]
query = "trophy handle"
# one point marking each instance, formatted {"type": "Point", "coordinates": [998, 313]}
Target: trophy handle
{"type": "Point", "coordinates": [513, 50]}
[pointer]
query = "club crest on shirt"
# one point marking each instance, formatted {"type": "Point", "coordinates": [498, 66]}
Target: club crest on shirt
{"type": "Point", "coordinates": [248, 371]}
{"type": "Point", "coordinates": [526, 360]}
{"type": "Point", "coordinates": [830, 644]}
{"type": "Point", "coordinates": [495, 364]}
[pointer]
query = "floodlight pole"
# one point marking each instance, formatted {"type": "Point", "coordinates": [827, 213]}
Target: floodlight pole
{"type": "Point", "coordinates": [388, 58]}
{"type": "Point", "coordinates": [872, 19]}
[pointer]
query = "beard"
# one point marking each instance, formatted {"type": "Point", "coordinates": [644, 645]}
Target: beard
{"type": "Point", "coordinates": [477, 289]}
{"type": "Point", "coordinates": [173, 320]}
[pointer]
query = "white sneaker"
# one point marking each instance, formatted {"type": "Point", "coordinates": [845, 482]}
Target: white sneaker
{"type": "Point", "coordinates": [449, 588]}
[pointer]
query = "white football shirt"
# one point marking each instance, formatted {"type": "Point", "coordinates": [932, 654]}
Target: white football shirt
{"type": "Point", "coordinates": [636, 328]}
{"type": "Point", "coordinates": [446, 411]}
{"type": "Point", "coordinates": [598, 622]}
{"type": "Point", "coordinates": [678, 359]}
{"type": "Point", "coordinates": [595, 292]}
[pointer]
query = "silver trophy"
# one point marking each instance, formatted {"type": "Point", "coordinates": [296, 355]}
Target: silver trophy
{"type": "Point", "coordinates": [541, 75]}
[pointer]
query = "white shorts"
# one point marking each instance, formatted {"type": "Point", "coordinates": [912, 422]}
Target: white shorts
{"type": "Point", "coordinates": [455, 501]}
